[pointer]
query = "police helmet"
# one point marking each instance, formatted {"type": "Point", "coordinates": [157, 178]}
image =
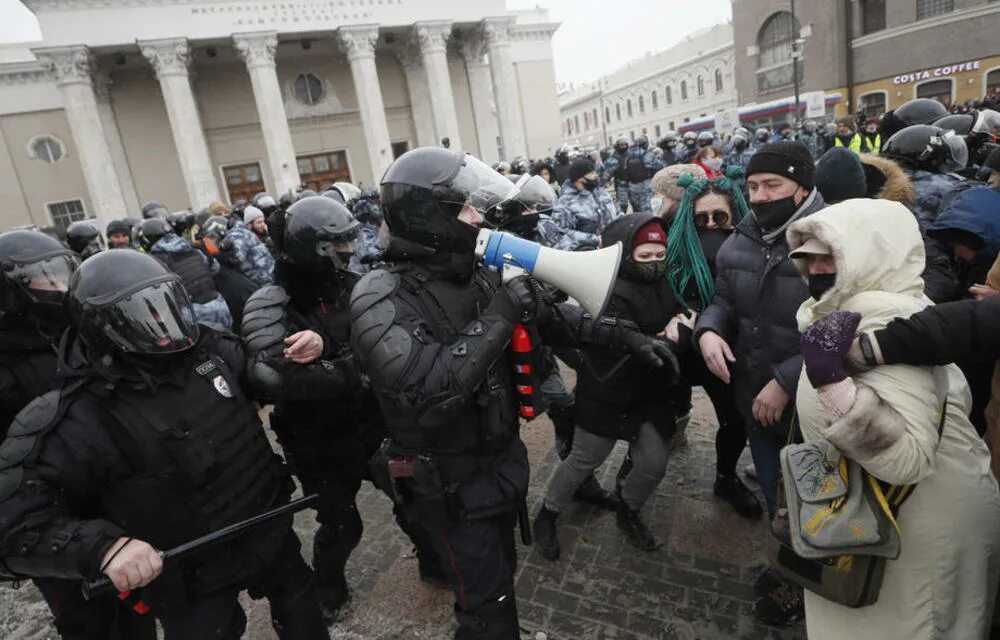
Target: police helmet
{"type": "Point", "coordinates": [621, 143]}
{"type": "Point", "coordinates": [180, 221]}
{"type": "Point", "coordinates": [740, 141]}
{"type": "Point", "coordinates": [335, 195]}
{"type": "Point", "coordinates": [642, 142]}
{"type": "Point", "coordinates": [927, 147]}
{"type": "Point", "coordinates": [705, 139]}
{"type": "Point", "coordinates": [742, 131]}
{"type": "Point", "coordinates": [690, 137]}
{"type": "Point", "coordinates": [425, 190]}
{"type": "Point", "coordinates": [307, 193]}
{"type": "Point", "coordinates": [917, 111]}
{"type": "Point", "coordinates": [287, 199]}
{"type": "Point", "coordinates": [35, 271]}
{"type": "Point", "coordinates": [320, 232]}
{"type": "Point", "coordinates": [762, 134]}
{"type": "Point", "coordinates": [809, 126]}
{"type": "Point", "coordinates": [265, 203]}
{"type": "Point", "coordinates": [960, 123]}
{"type": "Point", "coordinates": [127, 301]}
{"type": "Point", "coordinates": [520, 165]}
{"type": "Point", "coordinates": [85, 238]}
{"type": "Point", "coordinates": [150, 232]}
{"type": "Point", "coordinates": [520, 215]}
{"type": "Point", "coordinates": [153, 209]}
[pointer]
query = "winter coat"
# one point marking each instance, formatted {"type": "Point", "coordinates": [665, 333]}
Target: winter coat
{"type": "Point", "coordinates": [973, 211]}
{"type": "Point", "coordinates": [944, 582]}
{"type": "Point", "coordinates": [581, 215]}
{"type": "Point", "coordinates": [252, 256]}
{"type": "Point", "coordinates": [757, 291]}
{"type": "Point", "coordinates": [887, 180]}
{"type": "Point", "coordinates": [615, 393]}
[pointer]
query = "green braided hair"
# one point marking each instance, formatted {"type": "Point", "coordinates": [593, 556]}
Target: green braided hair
{"type": "Point", "coordinates": [685, 257]}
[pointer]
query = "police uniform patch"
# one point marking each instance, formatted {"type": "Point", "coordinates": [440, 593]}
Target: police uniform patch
{"type": "Point", "coordinates": [205, 368]}
{"type": "Point", "coordinates": [222, 387]}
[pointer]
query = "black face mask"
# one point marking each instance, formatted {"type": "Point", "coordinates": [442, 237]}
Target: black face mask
{"type": "Point", "coordinates": [820, 283]}
{"type": "Point", "coordinates": [523, 225]}
{"type": "Point", "coordinates": [711, 241]}
{"type": "Point", "coordinates": [771, 215]}
{"type": "Point", "coordinates": [590, 185]}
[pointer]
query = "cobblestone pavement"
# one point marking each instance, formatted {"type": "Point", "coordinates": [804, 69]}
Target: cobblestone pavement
{"type": "Point", "coordinates": [697, 586]}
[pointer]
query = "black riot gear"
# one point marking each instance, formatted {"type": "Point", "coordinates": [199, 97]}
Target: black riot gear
{"type": "Point", "coordinates": [960, 123]}
{"type": "Point", "coordinates": [180, 221]}
{"type": "Point", "coordinates": [927, 147]}
{"type": "Point", "coordinates": [642, 142]}
{"type": "Point", "coordinates": [319, 231]}
{"type": "Point", "coordinates": [265, 203]}
{"type": "Point", "coordinates": [84, 238]}
{"type": "Point", "coordinates": [127, 301]}
{"type": "Point", "coordinates": [151, 230]}
{"type": "Point", "coordinates": [918, 111]}
{"type": "Point", "coordinates": [154, 209]}
{"type": "Point", "coordinates": [35, 271]}
{"type": "Point", "coordinates": [705, 139]}
{"type": "Point", "coordinates": [621, 144]}
{"type": "Point", "coordinates": [425, 190]}
{"type": "Point", "coordinates": [520, 215]}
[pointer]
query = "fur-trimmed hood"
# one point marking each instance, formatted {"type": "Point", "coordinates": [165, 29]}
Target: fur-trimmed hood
{"type": "Point", "coordinates": [879, 254]}
{"type": "Point", "coordinates": [896, 187]}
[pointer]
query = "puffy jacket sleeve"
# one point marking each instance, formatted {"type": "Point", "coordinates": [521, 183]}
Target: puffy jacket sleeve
{"type": "Point", "coordinates": [787, 374]}
{"type": "Point", "coordinates": [719, 316]}
{"type": "Point", "coordinates": [957, 331]}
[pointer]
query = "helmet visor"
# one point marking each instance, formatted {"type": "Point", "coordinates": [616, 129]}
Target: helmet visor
{"type": "Point", "coordinates": [157, 318]}
{"type": "Point", "coordinates": [958, 151]}
{"type": "Point", "coordinates": [535, 194]}
{"type": "Point", "coordinates": [483, 188]}
{"type": "Point", "coordinates": [45, 281]}
{"type": "Point", "coordinates": [988, 122]}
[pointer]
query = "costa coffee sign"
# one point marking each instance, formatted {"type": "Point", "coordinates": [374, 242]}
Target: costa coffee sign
{"type": "Point", "coordinates": [939, 72]}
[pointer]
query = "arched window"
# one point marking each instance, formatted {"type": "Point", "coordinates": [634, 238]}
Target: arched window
{"type": "Point", "coordinates": [670, 95]}
{"type": "Point", "coordinates": [654, 100]}
{"type": "Point", "coordinates": [701, 86]}
{"type": "Point", "coordinates": [618, 111]}
{"type": "Point", "coordinates": [718, 80]}
{"type": "Point", "coordinates": [642, 105]}
{"type": "Point", "coordinates": [775, 44]}
{"type": "Point", "coordinates": [684, 89]}
{"type": "Point", "coordinates": [628, 107]}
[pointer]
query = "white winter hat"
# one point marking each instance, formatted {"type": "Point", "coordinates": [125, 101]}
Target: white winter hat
{"type": "Point", "coordinates": [251, 213]}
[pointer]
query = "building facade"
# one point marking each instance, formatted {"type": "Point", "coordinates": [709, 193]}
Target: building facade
{"type": "Point", "coordinates": [190, 101]}
{"type": "Point", "coordinates": [873, 54]}
{"type": "Point", "coordinates": [662, 92]}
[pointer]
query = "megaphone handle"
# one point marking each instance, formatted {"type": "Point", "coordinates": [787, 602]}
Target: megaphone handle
{"type": "Point", "coordinates": [511, 271]}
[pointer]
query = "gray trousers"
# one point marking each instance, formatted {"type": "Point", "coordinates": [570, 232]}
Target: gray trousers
{"type": "Point", "coordinates": [649, 460]}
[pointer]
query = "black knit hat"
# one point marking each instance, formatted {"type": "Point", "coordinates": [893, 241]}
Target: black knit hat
{"type": "Point", "coordinates": [840, 176]}
{"type": "Point", "coordinates": [118, 226]}
{"type": "Point", "coordinates": [580, 167]}
{"type": "Point", "coordinates": [786, 158]}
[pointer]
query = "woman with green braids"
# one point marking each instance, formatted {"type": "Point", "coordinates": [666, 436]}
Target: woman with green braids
{"type": "Point", "coordinates": [708, 212]}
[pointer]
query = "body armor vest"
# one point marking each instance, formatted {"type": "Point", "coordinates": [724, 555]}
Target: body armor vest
{"type": "Point", "coordinates": [621, 171]}
{"type": "Point", "coordinates": [34, 373]}
{"type": "Point", "coordinates": [194, 274]}
{"type": "Point", "coordinates": [637, 171]}
{"type": "Point", "coordinates": [201, 461]}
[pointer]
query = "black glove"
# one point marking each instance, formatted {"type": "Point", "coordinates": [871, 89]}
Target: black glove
{"type": "Point", "coordinates": [651, 352]}
{"type": "Point", "coordinates": [518, 300]}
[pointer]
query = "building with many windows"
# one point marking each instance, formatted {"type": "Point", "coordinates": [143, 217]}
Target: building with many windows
{"type": "Point", "coordinates": [868, 55]}
{"type": "Point", "coordinates": [190, 101]}
{"type": "Point", "coordinates": [652, 95]}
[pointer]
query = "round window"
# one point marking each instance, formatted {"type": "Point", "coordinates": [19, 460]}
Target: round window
{"type": "Point", "coordinates": [48, 149]}
{"type": "Point", "coordinates": [308, 88]}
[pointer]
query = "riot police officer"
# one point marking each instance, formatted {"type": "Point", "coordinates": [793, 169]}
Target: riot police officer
{"type": "Point", "coordinates": [640, 166]}
{"type": "Point", "coordinates": [151, 442]}
{"type": "Point", "coordinates": [84, 238]}
{"type": "Point", "coordinates": [296, 335]}
{"type": "Point", "coordinates": [616, 170]}
{"type": "Point", "coordinates": [432, 333]}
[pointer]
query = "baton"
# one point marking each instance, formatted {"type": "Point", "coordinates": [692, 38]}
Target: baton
{"type": "Point", "coordinates": [98, 586]}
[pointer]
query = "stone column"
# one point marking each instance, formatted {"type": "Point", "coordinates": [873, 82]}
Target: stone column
{"type": "Point", "coordinates": [358, 43]}
{"type": "Point", "coordinates": [102, 90]}
{"type": "Point", "coordinates": [257, 51]}
{"type": "Point", "coordinates": [505, 88]}
{"type": "Point", "coordinates": [473, 49]}
{"type": "Point", "coordinates": [433, 40]}
{"type": "Point", "coordinates": [170, 59]}
{"type": "Point", "coordinates": [72, 68]}
{"type": "Point", "coordinates": [408, 53]}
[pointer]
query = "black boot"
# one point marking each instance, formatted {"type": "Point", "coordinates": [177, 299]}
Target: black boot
{"type": "Point", "coordinates": [593, 493]}
{"type": "Point", "coordinates": [332, 597]}
{"type": "Point", "coordinates": [431, 571]}
{"type": "Point", "coordinates": [623, 472]}
{"type": "Point", "coordinates": [338, 535]}
{"type": "Point", "coordinates": [732, 490]}
{"type": "Point", "coordinates": [636, 531]}
{"type": "Point", "coordinates": [495, 620]}
{"type": "Point", "coordinates": [546, 533]}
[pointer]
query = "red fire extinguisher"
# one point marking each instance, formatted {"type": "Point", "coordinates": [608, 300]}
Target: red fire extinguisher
{"type": "Point", "coordinates": [524, 374]}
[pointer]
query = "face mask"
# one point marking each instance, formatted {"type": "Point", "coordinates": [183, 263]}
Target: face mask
{"type": "Point", "coordinates": [711, 241]}
{"type": "Point", "coordinates": [590, 185]}
{"type": "Point", "coordinates": [820, 283]}
{"type": "Point", "coordinates": [523, 225]}
{"type": "Point", "coordinates": [771, 215]}
{"type": "Point", "coordinates": [714, 164]}
{"type": "Point", "coordinates": [651, 271]}
{"type": "Point", "coordinates": [655, 204]}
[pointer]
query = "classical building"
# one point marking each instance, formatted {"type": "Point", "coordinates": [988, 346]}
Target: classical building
{"type": "Point", "coordinates": [190, 101]}
{"type": "Point", "coordinates": [868, 55]}
{"type": "Point", "coordinates": [652, 95]}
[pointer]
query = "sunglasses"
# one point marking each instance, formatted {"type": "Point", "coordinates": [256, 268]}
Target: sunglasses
{"type": "Point", "coordinates": [719, 217]}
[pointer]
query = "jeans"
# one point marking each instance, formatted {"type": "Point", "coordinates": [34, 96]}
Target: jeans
{"type": "Point", "coordinates": [765, 448]}
{"type": "Point", "coordinates": [649, 458]}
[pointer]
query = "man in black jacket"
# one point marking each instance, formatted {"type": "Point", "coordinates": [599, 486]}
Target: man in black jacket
{"type": "Point", "coordinates": [758, 292]}
{"type": "Point", "coordinates": [150, 442]}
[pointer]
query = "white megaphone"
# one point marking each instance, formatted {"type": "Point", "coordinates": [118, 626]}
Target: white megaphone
{"type": "Point", "coordinates": [587, 276]}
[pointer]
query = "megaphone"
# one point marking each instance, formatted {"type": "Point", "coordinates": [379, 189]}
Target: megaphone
{"type": "Point", "coordinates": [587, 276]}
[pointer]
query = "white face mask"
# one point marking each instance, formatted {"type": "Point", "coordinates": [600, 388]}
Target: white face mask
{"type": "Point", "coordinates": [714, 163]}
{"type": "Point", "coordinates": [655, 204]}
